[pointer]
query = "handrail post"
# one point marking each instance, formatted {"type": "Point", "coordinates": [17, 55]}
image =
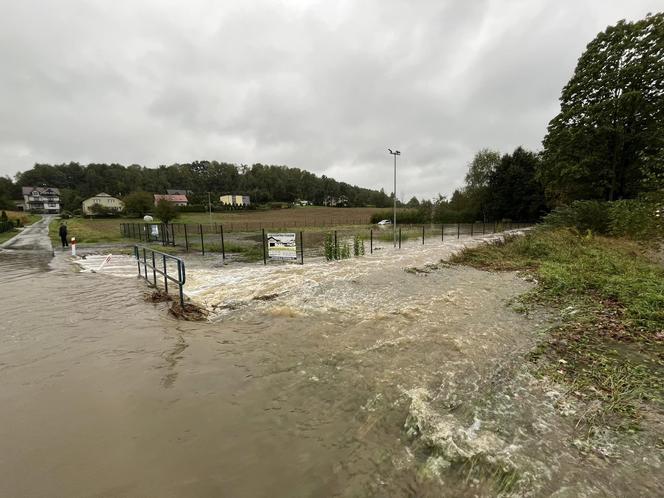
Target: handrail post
{"type": "Point", "coordinates": [180, 283]}
{"type": "Point", "coordinates": [165, 274]}
{"type": "Point", "coordinates": [154, 270]}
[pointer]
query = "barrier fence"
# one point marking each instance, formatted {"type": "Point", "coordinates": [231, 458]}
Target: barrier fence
{"type": "Point", "coordinates": [6, 226]}
{"type": "Point", "coordinates": [160, 263]}
{"type": "Point", "coordinates": [340, 243]}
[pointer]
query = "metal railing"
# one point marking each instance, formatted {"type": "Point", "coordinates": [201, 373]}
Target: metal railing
{"type": "Point", "coordinates": [152, 263]}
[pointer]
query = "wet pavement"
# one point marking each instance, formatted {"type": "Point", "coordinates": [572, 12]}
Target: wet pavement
{"type": "Point", "coordinates": [352, 378]}
{"type": "Point", "coordinates": [32, 238]}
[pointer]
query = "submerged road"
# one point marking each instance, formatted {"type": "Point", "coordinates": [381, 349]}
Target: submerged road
{"type": "Point", "coordinates": [32, 238]}
{"type": "Point", "coordinates": [356, 379]}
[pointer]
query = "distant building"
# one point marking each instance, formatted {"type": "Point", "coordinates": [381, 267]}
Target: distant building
{"type": "Point", "coordinates": [41, 200]}
{"type": "Point", "coordinates": [300, 202]}
{"type": "Point", "coordinates": [176, 191]}
{"type": "Point", "coordinates": [177, 199]}
{"type": "Point", "coordinates": [341, 201]}
{"type": "Point", "coordinates": [102, 199]}
{"type": "Point", "coordinates": [234, 200]}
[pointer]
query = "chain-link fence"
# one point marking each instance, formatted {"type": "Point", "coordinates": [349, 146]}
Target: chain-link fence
{"type": "Point", "coordinates": [310, 243]}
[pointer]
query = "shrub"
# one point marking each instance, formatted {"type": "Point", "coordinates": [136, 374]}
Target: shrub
{"type": "Point", "coordinates": [633, 218]}
{"type": "Point", "coordinates": [330, 248]}
{"type": "Point", "coordinates": [582, 215]}
{"type": "Point", "coordinates": [358, 246]}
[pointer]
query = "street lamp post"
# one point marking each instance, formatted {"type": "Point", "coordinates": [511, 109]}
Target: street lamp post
{"type": "Point", "coordinates": [394, 223]}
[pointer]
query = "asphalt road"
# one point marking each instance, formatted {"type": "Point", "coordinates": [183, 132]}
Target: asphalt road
{"type": "Point", "coordinates": [32, 238]}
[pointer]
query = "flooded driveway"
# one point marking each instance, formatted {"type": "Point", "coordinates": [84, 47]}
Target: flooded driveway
{"type": "Point", "coordinates": [354, 378]}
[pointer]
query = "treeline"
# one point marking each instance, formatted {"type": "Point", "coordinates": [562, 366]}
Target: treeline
{"type": "Point", "coordinates": [605, 145]}
{"type": "Point", "coordinates": [263, 183]}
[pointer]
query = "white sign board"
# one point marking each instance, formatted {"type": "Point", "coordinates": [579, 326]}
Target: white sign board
{"type": "Point", "coordinates": [281, 246]}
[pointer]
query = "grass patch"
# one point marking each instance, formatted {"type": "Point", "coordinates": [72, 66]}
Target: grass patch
{"type": "Point", "coordinates": [610, 346]}
{"type": "Point", "coordinates": [87, 230]}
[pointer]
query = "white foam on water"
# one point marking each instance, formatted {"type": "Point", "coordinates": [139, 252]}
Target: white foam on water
{"type": "Point", "coordinates": [361, 287]}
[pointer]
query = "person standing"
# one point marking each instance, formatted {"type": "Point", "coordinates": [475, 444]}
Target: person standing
{"type": "Point", "coordinates": [63, 234]}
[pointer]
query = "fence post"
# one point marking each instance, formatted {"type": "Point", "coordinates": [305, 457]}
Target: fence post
{"type": "Point", "coordinates": [422, 234]}
{"type": "Point", "coordinates": [172, 234]}
{"type": "Point", "coordinates": [483, 223]}
{"type": "Point", "coordinates": [145, 265]}
{"type": "Point", "coordinates": [200, 231]}
{"type": "Point", "coordinates": [336, 246]}
{"type": "Point", "coordinates": [399, 237]}
{"type": "Point", "coordinates": [154, 271]}
{"type": "Point", "coordinates": [472, 227]}
{"type": "Point", "coordinates": [371, 240]}
{"type": "Point", "coordinates": [301, 249]}
{"type": "Point", "coordinates": [223, 249]}
{"type": "Point", "coordinates": [458, 230]}
{"type": "Point", "coordinates": [263, 243]}
{"type": "Point", "coordinates": [186, 239]}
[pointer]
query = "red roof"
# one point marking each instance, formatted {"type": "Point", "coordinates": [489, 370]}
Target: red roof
{"type": "Point", "coordinates": [170, 198]}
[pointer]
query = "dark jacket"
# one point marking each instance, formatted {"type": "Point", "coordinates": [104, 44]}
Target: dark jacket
{"type": "Point", "coordinates": [63, 231]}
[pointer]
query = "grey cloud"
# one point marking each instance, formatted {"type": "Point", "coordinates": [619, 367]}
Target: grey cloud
{"type": "Point", "coordinates": [324, 86]}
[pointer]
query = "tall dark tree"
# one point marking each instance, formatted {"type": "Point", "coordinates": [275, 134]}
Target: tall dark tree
{"type": "Point", "coordinates": [515, 193]}
{"type": "Point", "coordinates": [479, 173]}
{"type": "Point", "coordinates": [611, 122]}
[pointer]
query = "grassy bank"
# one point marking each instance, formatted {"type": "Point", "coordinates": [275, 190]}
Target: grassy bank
{"type": "Point", "coordinates": [26, 219]}
{"type": "Point", "coordinates": [609, 347]}
{"type": "Point", "coordinates": [91, 230]}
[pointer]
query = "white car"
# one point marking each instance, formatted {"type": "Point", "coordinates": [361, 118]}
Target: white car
{"type": "Point", "coordinates": [384, 222]}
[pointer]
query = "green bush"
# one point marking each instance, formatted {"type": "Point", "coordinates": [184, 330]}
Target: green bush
{"type": "Point", "coordinates": [358, 246]}
{"type": "Point", "coordinates": [330, 247]}
{"type": "Point", "coordinates": [582, 215]}
{"type": "Point", "coordinates": [633, 218]}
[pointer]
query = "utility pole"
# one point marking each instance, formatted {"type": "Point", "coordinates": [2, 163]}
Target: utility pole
{"type": "Point", "coordinates": [394, 223]}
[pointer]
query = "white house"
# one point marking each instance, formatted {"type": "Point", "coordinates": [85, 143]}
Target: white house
{"type": "Point", "coordinates": [102, 199]}
{"type": "Point", "coordinates": [41, 200]}
{"type": "Point", "coordinates": [234, 200]}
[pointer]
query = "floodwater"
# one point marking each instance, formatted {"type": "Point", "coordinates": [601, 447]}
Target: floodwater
{"type": "Point", "coordinates": [352, 378]}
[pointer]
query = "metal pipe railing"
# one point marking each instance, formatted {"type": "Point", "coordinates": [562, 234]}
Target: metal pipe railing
{"type": "Point", "coordinates": [151, 262]}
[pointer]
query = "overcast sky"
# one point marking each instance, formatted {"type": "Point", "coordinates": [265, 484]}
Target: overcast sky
{"type": "Point", "coordinates": [324, 86]}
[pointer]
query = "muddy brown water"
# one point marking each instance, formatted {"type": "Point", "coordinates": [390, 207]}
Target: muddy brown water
{"type": "Point", "coordinates": [358, 379]}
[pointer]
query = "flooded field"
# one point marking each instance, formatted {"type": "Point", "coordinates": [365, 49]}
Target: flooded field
{"type": "Point", "coordinates": [389, 375]}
